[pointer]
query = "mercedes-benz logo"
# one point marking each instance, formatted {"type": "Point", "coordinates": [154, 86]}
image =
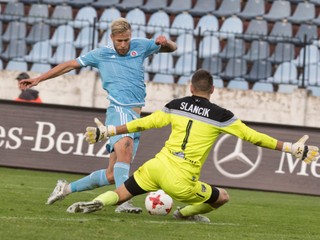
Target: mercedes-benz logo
{"type": "Point", "coordinates": [236, 155]}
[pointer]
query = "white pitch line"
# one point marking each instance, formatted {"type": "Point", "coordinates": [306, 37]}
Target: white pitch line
{"type": "Point", "coordinates": [118, 220]}
{"type": "Point", "coordinates": [52, 219]}
{"type": "Point", "coordinates": [190, 222]}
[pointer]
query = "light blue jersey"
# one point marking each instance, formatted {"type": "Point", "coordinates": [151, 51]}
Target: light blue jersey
{"type": "Point", "coordinates": [122, 76]}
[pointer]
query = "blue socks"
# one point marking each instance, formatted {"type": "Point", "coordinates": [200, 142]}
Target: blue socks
{"type": "Point", "coordinates": [94, 180]}
{"type": "Point", "coordinates": [99, 179]}
{"type": "Point", "coordinates": [121, 173]}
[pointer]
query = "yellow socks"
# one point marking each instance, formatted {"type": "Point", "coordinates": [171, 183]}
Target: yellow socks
{"type": "Point", "coordinates": [191, 210]}
{"type": "Point", "coordinates": [109, 198]}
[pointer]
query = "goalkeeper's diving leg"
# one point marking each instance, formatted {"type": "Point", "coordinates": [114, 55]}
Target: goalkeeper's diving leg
{"type": "Point", "coordinates": [218, 198]}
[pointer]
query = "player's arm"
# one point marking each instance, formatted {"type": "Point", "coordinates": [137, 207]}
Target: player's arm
{"type": "Point", "coordinates": [52, 73]}
{"type": "Point", "coordinates": [167, 45]}
{"type": "Point", "coordinates": [157, 119]}
{"type": "Point", "coordinates": [301, 151]}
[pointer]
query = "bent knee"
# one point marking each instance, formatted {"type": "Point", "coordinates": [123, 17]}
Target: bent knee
{"type": "Point", "coordinates": [224, 197]}
{"type": "Point", "coordinates": [110, 177]}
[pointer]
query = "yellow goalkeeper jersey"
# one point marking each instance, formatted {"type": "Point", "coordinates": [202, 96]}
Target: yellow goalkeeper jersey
{"type": "Point", "coordinates": [196, 123]}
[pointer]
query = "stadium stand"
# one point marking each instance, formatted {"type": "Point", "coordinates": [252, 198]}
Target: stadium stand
{"type": "Point", "coordinates": [185, 65]}
{"type": "Point", "coordinates": [54, 2]}
{"type": "Point", "coordinates": [203, 7]}
{"type": "Point", "coordinates": [61, 15]}
{"type": "Point", "coordinates": [286, 72]}
{"type": "Point", "coordinates": [252, 9]}
{"type": "Point", "coordinates": [152, 6]}
{"type": "Point", "coordinates": [105, 39]}
{"type": "Point", "coordinates": [79, 3]}
{"type": "Point", "coordinates": [263, 87]}
{"type": "Point", "coordinates": [315, 91]}
{"type": "Point", "coordinates": [304, 12]}
{"type": "Point", "coordinates": [158, 21]}
{"type": "Point", "coordinates": [160, 63]}
{"type": "Point", "coordinates": [85, 17]}
{"type": "Point", "coordinates": [228, 8]}
{"type": "Point", "coordinates": [127, 5]}
{"type": "Point", "coordinates": [263, 34]}
{"type": "Point", "coordinates": [280, 30]}
{"type": "Point", "coordinates": [308, 54]}
{"type": "Point", "coordinates": [184, 80]}
{"type": "Point", "coordinates": [286, 88]}
{"type": "Point", "coordinates": [14, 65]}
{"type": "Point", "coordinates": [36, 14]}
{"type": "Point", "coordinates": [15, 30]}
{"type": "Point", "coordinates": [239, 84]}
{"type": "Point", "coordinates": [17, 48]}
{"type": "Point", "coordinates": [257, 29]}
{"type": "Point", "coordinates": [213, 65]}
{"type": "Point", "coordinates": [209, 46]}
{"type": "Point", "coordinates": [283, 52]}
{"type": "Point", "coordinates": [259, 49]}
{"type": "Point", "coordinates": [234, 48]}
{"type": "Point", "coordinates": [64, 52]}
{"type": "Point", "coordinates": [13, 11]}
{"type": "Point", "coordinates": [62, 34]}
{"type": "Point", "coordinates": [206, 25]}
{"type": "Point", "coordinates": [182, 23]}
{"type": "Point", "coordinates": [187, 44]}
{"type": "Point", "coordinates": [279, 10]}
{"type": "Point", "coordinates": [105, 3]}
{"type": "Point", "coordinates": [230, 27]}
{"type": "Point", "coordinates": [108, 15]}
{"type": "Point", "coordinates": [40, 52]}
{"type": "Point", "coordinates": [137, 18]}
{"type": "Point", "coordinates": [260, 70]}
{"type": "Point", "coordinates": [40, 31]}
{"type": "Point", "coordinates": [306, 34]}
{"type": "Point", "coordinates": [178, 6]}
{"type": "Point", "coordinates": [235, 68]}
{"type": "Point", "coordinates": [163, 78]}
{"type": "Point", "coordinates": [40, 67]}
{"type": "Point", "coordinates": [311, 75]}
{"type": "Point", "coordinates": [85, 37]}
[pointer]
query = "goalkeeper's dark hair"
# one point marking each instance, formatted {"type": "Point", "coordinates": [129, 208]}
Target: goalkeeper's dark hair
{"type": "Point", "coordinates": [202, 81]}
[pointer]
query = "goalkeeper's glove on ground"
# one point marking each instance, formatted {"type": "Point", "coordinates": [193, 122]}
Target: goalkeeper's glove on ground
{"type": "Point", "coordinates": [301, 151]}
{"type": "Point", "coordinates": [99, 133]}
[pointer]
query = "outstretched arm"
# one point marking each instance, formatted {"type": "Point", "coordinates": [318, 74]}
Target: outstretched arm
{"type": "Point", "coordinates": [52, 73]}
{"type": "Point", "coordinates": [157, 119]}
{"type": "Point", "coordinates": [299, 149]}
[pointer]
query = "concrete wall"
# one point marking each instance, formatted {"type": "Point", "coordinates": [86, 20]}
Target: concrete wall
{"type": "Point", "coordinates": [299, 108]}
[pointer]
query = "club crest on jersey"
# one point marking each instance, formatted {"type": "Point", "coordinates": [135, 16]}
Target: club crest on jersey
{"type": "Point", "coordinates": [133, 53]}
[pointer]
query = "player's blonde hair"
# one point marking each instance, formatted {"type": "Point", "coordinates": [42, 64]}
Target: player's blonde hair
{"type": "Point", "coordinates": [120, 25]}
{"type": "Point", "coordinates": [202, 81]}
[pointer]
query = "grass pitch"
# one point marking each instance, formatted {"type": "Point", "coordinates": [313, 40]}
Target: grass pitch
{"type": "Point", "coordinates": [248, 215]}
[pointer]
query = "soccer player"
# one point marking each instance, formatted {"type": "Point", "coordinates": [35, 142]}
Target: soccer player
{"type": "Point", "coordinates": [196, 123]}
{"type": "Point", "coordinates": [121, 68]}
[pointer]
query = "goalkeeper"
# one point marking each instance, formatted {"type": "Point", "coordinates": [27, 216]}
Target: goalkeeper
{"type": "Point", "coordinates": [196, 123]}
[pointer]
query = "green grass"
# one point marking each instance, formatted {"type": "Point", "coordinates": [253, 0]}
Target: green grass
{"type": "Point", "coordinates": [248, 215]}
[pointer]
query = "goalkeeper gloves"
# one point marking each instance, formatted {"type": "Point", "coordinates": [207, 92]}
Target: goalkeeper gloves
{"type": "Point", "coordinates": [301, 151]}
{"type": "Point", "coordinates": [99, 133]}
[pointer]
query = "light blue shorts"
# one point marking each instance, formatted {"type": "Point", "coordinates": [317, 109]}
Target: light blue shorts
{"type": "Point", "coordinates": [116, 116]}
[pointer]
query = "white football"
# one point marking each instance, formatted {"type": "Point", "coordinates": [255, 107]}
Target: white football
{"type": "Point", "coordinates": [158, 203]}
